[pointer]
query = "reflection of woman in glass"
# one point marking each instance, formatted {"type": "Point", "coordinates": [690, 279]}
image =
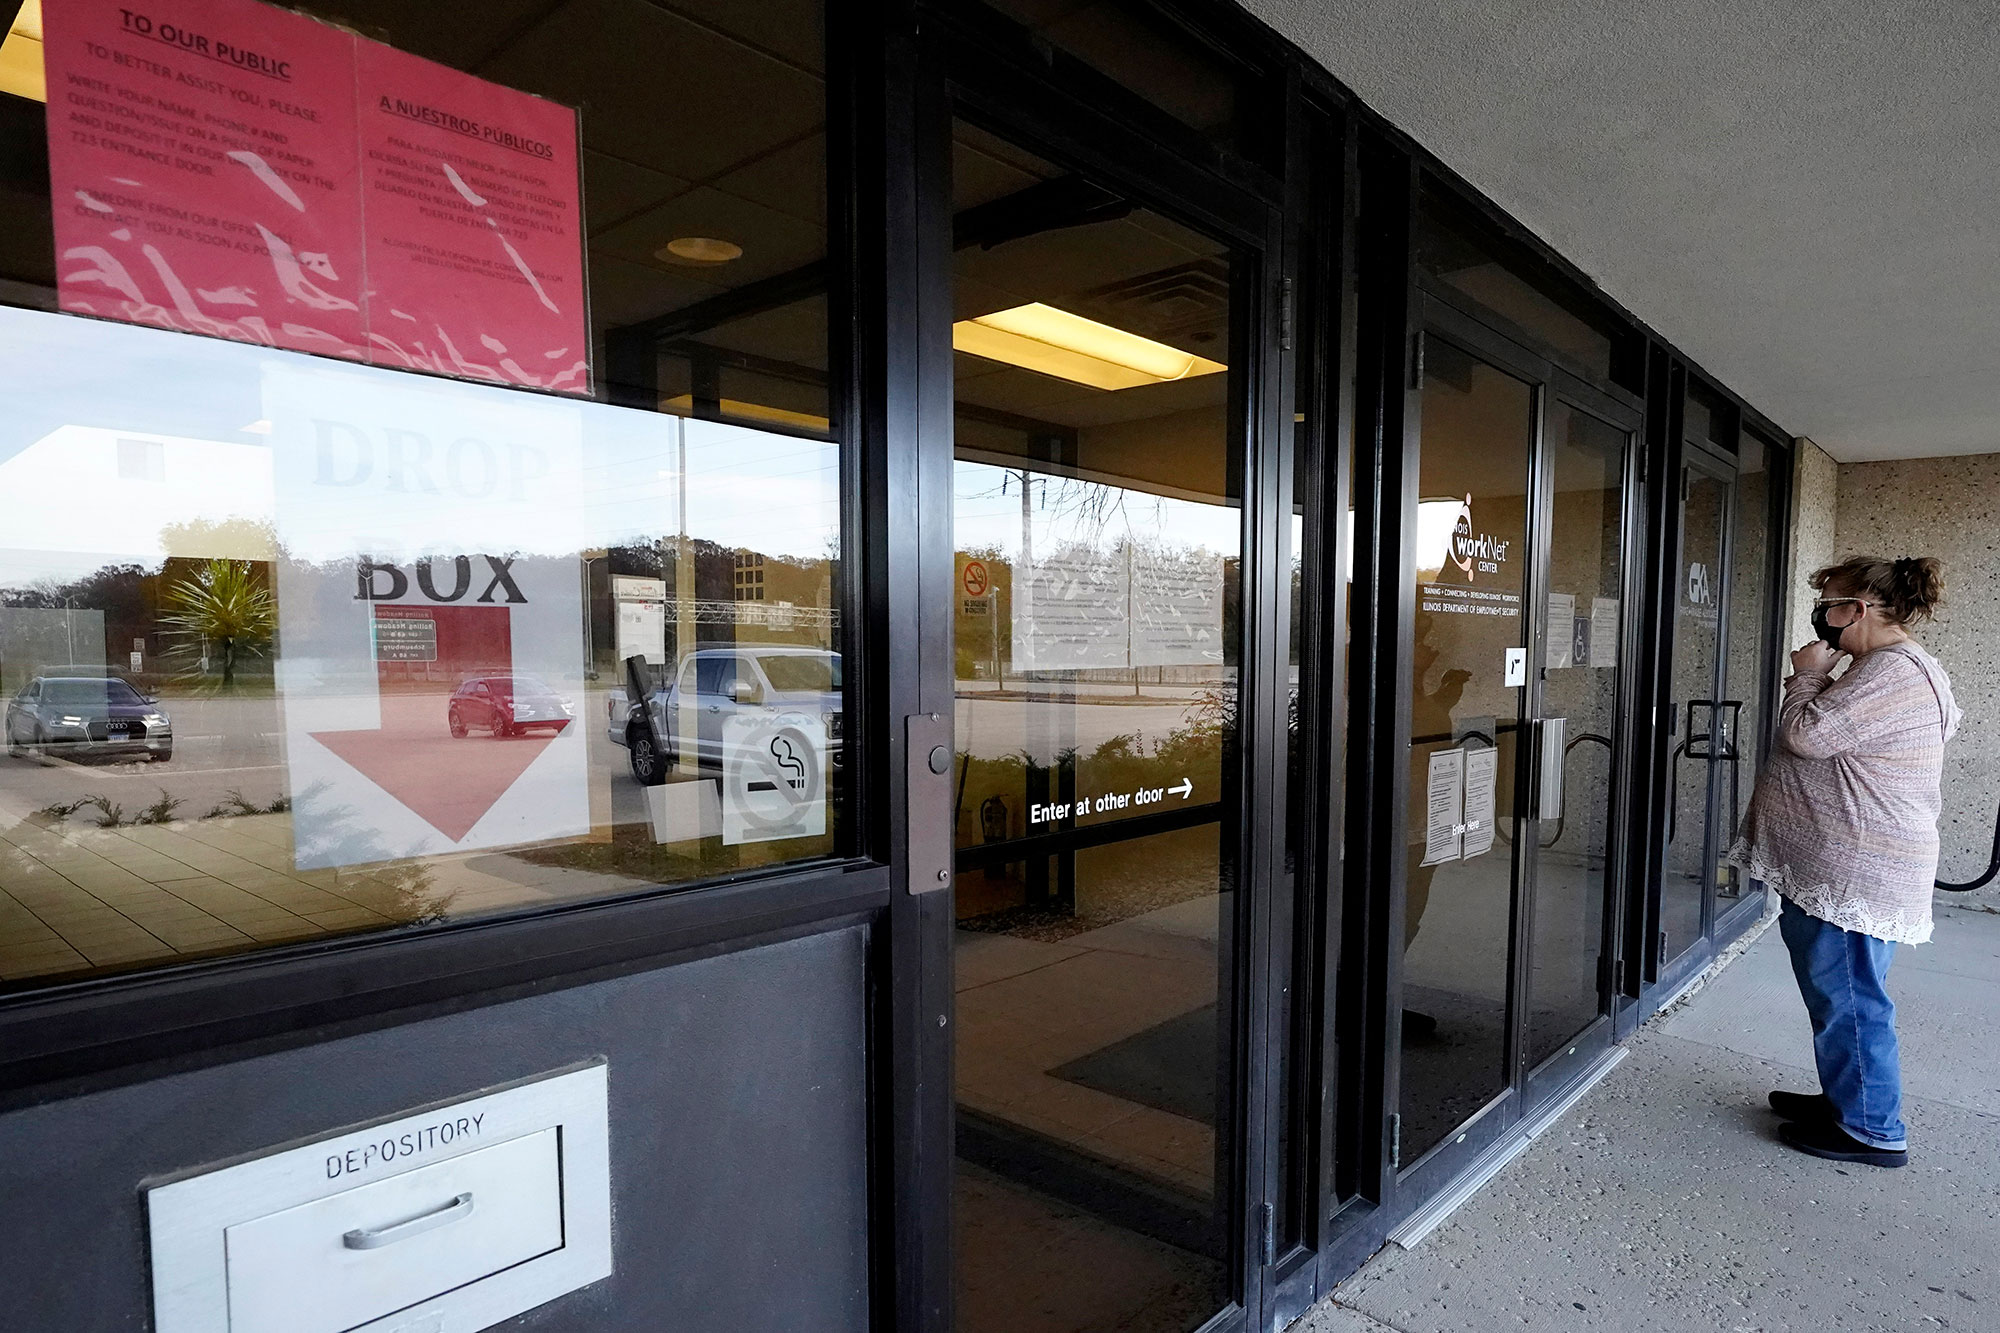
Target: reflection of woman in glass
{"type": "Point", "coordinates": [1431, 726]}
{"type": "Point", "coordinates": [1844, 826]}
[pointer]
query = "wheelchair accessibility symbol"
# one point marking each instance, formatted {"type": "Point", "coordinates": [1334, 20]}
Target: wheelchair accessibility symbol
{"type": "Point", "coordinates": [774, 778]}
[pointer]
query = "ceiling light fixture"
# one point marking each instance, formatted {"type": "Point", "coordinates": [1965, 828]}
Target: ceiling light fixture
{"type": "Point", "coordinates": [1054, 342]}
{"type": "Point", "coordinates": [699, 250]}
{"type": "Point", "coordinates": [683, 405]}
{"type": "Point", "coordinates": [21, 70]}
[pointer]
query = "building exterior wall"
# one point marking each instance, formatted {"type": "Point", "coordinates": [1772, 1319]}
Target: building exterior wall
{"type": "Point", "coordinates": [736, 1098]}
{"type": "Point", "coordinates": [1815, 485]}
{"type": "Point", "coordinates": [1944, 507]}
{"type": "Point", "coordinates": [782, 1115]}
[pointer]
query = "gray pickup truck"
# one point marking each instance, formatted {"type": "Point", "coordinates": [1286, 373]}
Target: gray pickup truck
{"type": "Point", "coordinates": [707, 688]}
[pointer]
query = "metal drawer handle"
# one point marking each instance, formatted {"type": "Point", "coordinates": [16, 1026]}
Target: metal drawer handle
{"type": "Point", "coordinates": [389, 1235]}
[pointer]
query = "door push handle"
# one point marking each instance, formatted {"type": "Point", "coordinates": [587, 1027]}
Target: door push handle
{"type": "Point", "coordinates": [1704, 739]}
{"type": "Point", "coordinates": [1727, 728]}
{"type": "Point", "coordinates": [374, 1239]}
{"type": "Point", "coordinates": [1719, 741]}
{"type": "Point", "coordinates": [1533, 731]}
{"type": "Point", "coordinates": [1550, 751]}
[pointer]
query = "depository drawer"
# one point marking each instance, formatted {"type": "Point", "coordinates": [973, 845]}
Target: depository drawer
{"type": "Point", "coordinates": [339, 1262]}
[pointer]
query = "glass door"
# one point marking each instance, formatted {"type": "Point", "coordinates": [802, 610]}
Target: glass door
{"type": "Point", "coordinates": [1702, 724]}
{"type": "Point", "coordinates": [1470, 723]}
{"type": "Point", "coordinates": [1722, 677]}
{"type": "Point", "coordinates": [1750, 674]}
{"type": "Point", "coordinates": [1517, 681]}
{"type": "Point", "coordinates": [1587, 499]}
{"type": "Point", "coordinates": [1104, 1131]}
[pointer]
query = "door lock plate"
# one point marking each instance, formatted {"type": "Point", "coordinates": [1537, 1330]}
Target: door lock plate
{"type": "Point", "coordinates": [927, 779]}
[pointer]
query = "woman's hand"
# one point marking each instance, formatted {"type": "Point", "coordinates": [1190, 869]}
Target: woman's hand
{"type": "Point", "coordinates": [1815, 658]}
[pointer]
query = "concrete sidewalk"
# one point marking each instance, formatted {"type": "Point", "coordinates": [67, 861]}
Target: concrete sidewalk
{"type": "Point", "coordinates": [1664, 1203]}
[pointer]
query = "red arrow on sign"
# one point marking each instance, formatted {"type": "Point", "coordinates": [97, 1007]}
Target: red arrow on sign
{"type": "Point", "coordinates": [450, 783]}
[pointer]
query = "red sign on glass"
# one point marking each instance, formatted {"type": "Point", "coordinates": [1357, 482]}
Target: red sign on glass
{"type": "Point", "coordinates": [469, 211]}
{"type": "Point", "coordinates": [222, 167]}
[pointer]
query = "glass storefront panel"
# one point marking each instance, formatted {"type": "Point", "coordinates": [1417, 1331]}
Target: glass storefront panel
{"type": "Point", "coordinates": [1466, 713]}
{"type": "Point", "coordinates": [1697, 630]}
{"type": "Point", "coordinates": [1098, 527]}
{"type": "Point", "coordinates": [1750, 668]}
{"type": "Point", "coordinates": [296, 645]}
{"type": "Point", "coordinates": [1579, 687]}
{"type": "Point", "coordinates": [1456, 251]}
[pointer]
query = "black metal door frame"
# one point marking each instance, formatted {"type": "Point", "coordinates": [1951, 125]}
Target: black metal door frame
{"type": "Point", "coordinates": [1319, 905]}
{"type": "Point", "coordinates": [1663, 975]}
{"type": "Point", "coordinates": [1558, 1072]}
{"type": "Point", "coordinates": [964, 72]}
{"type": "Point", "coordinates": [1439, 312]}
{"type": "Point", "coordinates": [1365, 837]}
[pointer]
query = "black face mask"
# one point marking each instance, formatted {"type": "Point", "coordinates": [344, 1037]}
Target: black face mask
{"type": "Point", "coordinates": [1828, 633]}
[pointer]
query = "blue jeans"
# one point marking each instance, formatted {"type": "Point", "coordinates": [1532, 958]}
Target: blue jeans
{"type": "Point", "coordinates": [1841, 975]}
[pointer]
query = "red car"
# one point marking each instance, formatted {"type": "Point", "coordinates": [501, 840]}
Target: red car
{"type": "Point", "coordinates": [505, 706]}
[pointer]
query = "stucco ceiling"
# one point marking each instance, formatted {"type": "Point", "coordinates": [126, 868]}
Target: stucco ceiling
{"type": "Point", "coordinates": [1804, 196]}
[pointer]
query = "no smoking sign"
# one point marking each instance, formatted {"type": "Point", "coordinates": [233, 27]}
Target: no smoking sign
{"type": "Point", "coordinates": [773, 778]}
{"type": "Point", "coordinates": [976, 582]}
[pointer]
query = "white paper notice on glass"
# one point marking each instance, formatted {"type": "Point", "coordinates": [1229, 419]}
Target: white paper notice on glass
{"type": "Point", "coordinates": [773, 777]}
{"type": "Point", "coordinates": [1481, 768]}
{"type": "Point", "coordinates": [1071, 611]}
{"type": "Point", "coordinates": [1445, 808]}
{"type": "Point", "coordinates": [1562, 630]}
{"type": "Point", "coordinates": [1604, 631]}
{"type": "Point", "coordinates": [462, 579]}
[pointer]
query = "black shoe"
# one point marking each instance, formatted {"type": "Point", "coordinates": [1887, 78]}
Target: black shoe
{"type": "Point", "coordinates": [1833, 1143]}
{"type": "Point", "coordinates": [1807, 1108]}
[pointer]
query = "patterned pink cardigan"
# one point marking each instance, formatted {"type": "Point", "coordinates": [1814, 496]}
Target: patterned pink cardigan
{"type": "Point", "coordinates": [1844, 818]}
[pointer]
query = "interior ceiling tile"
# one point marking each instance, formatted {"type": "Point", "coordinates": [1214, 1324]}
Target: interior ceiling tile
{"type": "Point", "coordinates": [772, 243]}
{"type": "Point", "coordinates": [438, 33]}
{"type": "Point", "coordinates": [793, 29]}
{"type": "Point", "coordinates": [1060, 403]}
{"type": "Point", "coordinates": [1799, 195]}
{"type": "Point", "coordinates": [795, 333]}
{"type": "Point", "coordinates": [1055, 266]}
{"type": "Point", "coordinates": [979, 176]}
{"type": "Point", "coordinates": [615, 190]}
{"type": "Point", "coordinates": [785, 181]}
{"type": "Point", "coordinates": [659, 90]}
{"type": "Point", "coordinates": [623, 292]}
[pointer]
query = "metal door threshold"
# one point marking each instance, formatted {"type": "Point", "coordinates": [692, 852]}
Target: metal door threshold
{"type": "Point", "coordinates": [1490, 1163]}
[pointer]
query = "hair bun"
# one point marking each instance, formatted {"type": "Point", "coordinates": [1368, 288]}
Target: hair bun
{"type": "Point", "coordinates": [1919, 586]}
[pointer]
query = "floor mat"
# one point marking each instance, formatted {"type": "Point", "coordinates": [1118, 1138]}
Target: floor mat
{"type": "Point", "coordinates": [1169, 1066]}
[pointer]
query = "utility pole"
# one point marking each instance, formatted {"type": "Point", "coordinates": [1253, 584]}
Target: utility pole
{"type": "Point", "coordinates": [1024, 572]}
{"type": "Point", "coordinates": [589, 618]}
{"type": "Point", "coordinates": [684, 591]}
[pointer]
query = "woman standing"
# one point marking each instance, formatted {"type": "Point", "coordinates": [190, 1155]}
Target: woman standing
{"type": "Point", "coordinates": [1843, 825]}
